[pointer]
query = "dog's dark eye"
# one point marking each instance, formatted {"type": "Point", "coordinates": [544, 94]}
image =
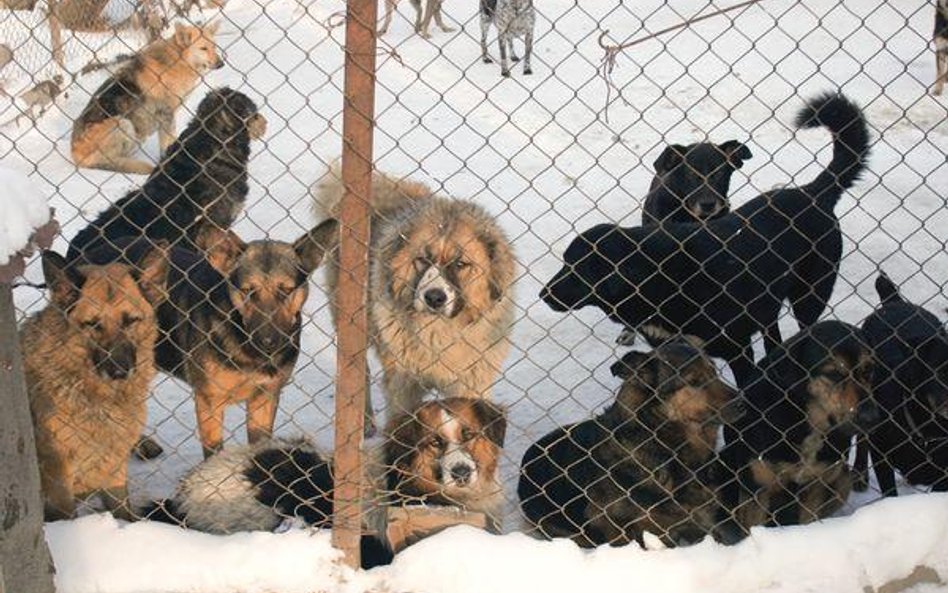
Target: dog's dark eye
{"type": "Point", "coordinates": [129, 320]}
{"type": "Point", "coordinates": [460, 264]}
{"type": "Point", "coordinates": [438, 443]}
{"type": "Point", "coordinates": [467, 435]}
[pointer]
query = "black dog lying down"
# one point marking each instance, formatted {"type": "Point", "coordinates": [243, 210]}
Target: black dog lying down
{"type": "Point", "coordinates": [724, 280]}
{"type": "Point", "coordinates": [646, 464]}
{"type": "Point", "coordinates": [691, 183]}
{"type": "Point", "coordinates": [911, 388]}
{"type": "Point", "coordinates": [789, 451]}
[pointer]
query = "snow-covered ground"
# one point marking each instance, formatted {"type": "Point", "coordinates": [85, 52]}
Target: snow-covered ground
{"type": "Point", "coordinates": [539, 153]}
{"type": "Point", "coordinates": [23, 209]}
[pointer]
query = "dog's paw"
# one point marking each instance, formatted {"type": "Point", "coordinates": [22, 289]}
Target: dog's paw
{"type": "Point", "coordinates": [515, 58]}
{"type": "Point", "coordinates": [448, 29]}
{"type": "Point", "coordinates": [487, 60]}
{"type": "Point", "coordinates": [860, 483]}
{"type": "Point", "coordinates": [528, 71]}
{"type": "Point", "coordinates": [505, 73]}
{"type": "Point", "coordinates": [626, 338]}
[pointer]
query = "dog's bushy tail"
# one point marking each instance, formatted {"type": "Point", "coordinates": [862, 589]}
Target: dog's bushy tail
{"type": "Point", "coordinates": [888, 291]}
{"type": "Point", "coordinates": [389, 194]}
{"type": "Point", "coordinates": [850, 132]}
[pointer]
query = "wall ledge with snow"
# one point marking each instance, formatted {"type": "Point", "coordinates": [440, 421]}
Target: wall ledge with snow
{"type": "Point", "coordinates": [868, 551]}
{"type": "Point", "coordinates": [26, 220]}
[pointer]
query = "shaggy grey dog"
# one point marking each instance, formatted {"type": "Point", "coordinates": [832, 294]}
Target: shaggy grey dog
{"type": "Point", "coordinates": [513, 18]}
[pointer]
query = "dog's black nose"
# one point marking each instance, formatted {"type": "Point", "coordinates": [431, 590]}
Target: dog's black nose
{"type": "Point", "coordinates": [435, 298]}
{"type": "Point", "coordinates": [461, 473]}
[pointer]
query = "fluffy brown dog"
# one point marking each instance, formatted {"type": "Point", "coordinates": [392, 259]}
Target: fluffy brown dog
{"type": "Point", "coordinates": [89, 359]}
{"type": "Point", "coordinates": [142, 98]}
{"type": "Point", "coordinates": [446, 452]}
{"type": "Point", "coordinates": [440, 280]}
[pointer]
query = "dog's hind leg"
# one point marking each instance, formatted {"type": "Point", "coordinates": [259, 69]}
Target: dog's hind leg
{"type": "Point", "coordinates": [941, 65]}
{"type": "Point", "coordinates": [502, 42]}
{"type": "Point", "coordinates": [109, 145]}
{"type": "Point", "coordinates": [527, 52]}
{"type": "Point", "coordinates": [485, 27]}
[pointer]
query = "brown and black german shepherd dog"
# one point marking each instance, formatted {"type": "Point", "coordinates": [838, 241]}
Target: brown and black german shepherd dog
{"type": "Point", "coordinates": [233, 338]}
{"type": "Point", "coordinates": [789, 452]}
{"type": "Point", "coordinates": [142, 98]}
{"type": "Point", "coordinates": [89, 360]}
{"type": "Point", "coordinates": [647, 463]}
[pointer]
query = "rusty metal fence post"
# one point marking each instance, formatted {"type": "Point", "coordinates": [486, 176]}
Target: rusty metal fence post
{"type": "Point", "coordinates": [354, 219]}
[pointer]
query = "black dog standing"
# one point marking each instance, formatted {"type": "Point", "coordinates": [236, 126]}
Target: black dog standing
{"type": "Point", "coordinates": [911, 346]}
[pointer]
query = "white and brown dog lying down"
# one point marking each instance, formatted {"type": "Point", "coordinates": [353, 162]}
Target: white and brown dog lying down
{"type": "Point", "coordinates": [445, 453]}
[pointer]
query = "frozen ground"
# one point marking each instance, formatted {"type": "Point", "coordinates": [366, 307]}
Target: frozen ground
{"type": "Point", "coordinates": [22, 210]}
{"type": "Point", "coordinates": [538, 153]}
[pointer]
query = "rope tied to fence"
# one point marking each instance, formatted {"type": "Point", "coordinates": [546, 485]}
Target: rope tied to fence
{"type": "Point", "coordinates": [608, 63]}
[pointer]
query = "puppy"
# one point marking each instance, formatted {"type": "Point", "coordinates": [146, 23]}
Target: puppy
{"type": "Point", "coordinates": [725, 280]}
{"type": "Point", "coordinates": [441, 274]}
{"type": "Point", "coordinates": [259, 487]}
{"type": "Point", "coordinates": [201, 181]}
{"type": "Point", "coordinates": [89, 361]}
{"type": "Point", "coordinates": [447, 452]}
{"type": "Point", "coordinates": [432, 10]}
{"type": "Point", "coordinates": [911, 388]}
{"type": "Point", "coordinates": [141, 98]}
{"type": "Point", "coordinates": [646, 464]}
{"type": "Point", "coordinates": [691, 182]}
{"type": "Point", "coordinates": [941, 45]}
{"type": "Point", "coordinates": [789, 452]}
{"type": "Point", "coordinates": [513, 18]}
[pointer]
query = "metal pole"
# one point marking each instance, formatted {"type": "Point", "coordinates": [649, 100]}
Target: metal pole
{"type": "Point", "coordinates": [354, 216]}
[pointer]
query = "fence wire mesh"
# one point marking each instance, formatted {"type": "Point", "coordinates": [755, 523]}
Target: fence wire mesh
{"type": "Point", "coordinates": [489, 192]}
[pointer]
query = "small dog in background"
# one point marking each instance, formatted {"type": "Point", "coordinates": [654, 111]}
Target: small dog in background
{"type": "Point", "coordinates": [422, 23]}
{"type": "Point", "coordinates": [911, 346]}
{"type": "Point", "coordinates": [692, 183]}
{"type": "Point", "coordinates": [789, 452]}
{"type": "Point", "coordinates": [142, 98]}
{"type": "Point", "coordinates": [645, 464]}
{"type": "Point", "coordinates": [89, 361]}
{"type": "Point", "coordinates": [940, 38]}
{"type": "Point", "coordinates": [512, 18]}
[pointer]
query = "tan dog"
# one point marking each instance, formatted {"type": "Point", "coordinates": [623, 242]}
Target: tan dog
{"type": "Point", "coordinates": [142, 98]}
{"type": "Point", "coordinates": [89, 360]}
{"type": "Point", "coordinates": [440, 291]}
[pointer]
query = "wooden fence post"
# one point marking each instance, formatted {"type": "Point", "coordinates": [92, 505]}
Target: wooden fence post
{"type": "Point", "coordinates": [22, 544]}
{"type": "Point", "coordinates": [55, 33]}
{"type": "Point", "coordinates": [354, 224]}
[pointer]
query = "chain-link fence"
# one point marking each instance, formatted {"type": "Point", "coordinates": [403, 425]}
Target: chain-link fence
{"type": "Point", "coordinates": [501, 299]}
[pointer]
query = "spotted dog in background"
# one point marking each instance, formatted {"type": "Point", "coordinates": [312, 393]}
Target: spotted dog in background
{"type": "Point", "coordinates": [512, 18]}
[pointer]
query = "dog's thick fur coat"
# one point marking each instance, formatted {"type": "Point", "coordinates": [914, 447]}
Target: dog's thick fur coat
{"type": "Point", "coordinates": [440, 290]}
{"type": "Point", "coordinates": [89, 362]}
{"type": "Point", "coordinates": [142, 98]}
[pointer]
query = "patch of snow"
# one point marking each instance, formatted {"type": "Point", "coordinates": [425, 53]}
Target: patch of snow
{"type": "Point", "coordinates": [878, 544]}
{"type": "Point", "coordinates": [23, 209]}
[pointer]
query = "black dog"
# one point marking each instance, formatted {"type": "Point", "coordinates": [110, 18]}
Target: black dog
{"type": "Point", "coordinates": [789, 451]}
{"type": "Point", "coordinates": [201, 180]}
{"type": "Point", "coordinates": [691, 182]}
{"type": "Point", "coordinates": [911, 346]}
{"type": "Point", "coordinates": [724, 280]}
{"type": "Point", "coordinates": [646, 464]}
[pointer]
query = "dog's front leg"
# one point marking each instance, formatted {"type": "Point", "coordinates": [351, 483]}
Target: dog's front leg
{"type": "Point", "coordinates": [210, 419]}
{"type": "Point", "coordinates": [941, 65]}
{"type": "Point", "coordinates": [389, 10]}
{"type": "Point", "coordinates": [438, 18]}
{"type": "Point", "coordinates": [261, 414]}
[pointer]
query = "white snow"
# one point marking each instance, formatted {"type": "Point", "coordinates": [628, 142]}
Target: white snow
{"type": "Point", "coordinates": [22, 210]}
{"type": "Point", "coordinates": [878, 544]}
{"type": "Point", "coordinates": [538, 153]}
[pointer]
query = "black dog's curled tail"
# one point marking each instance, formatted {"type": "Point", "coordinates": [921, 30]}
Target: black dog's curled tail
{"type": "Point", "coordinates": [850, 132]}
{"type": "Point", "coordinates": [163, 511]}
{"type": "Point", "coordinates": [888, 291]}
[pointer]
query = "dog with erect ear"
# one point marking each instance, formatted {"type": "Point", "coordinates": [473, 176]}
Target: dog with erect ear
{"type": "Point", "coordinates": [691, 183]}
{"type": "Point", "coordinates": [89, 361]}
